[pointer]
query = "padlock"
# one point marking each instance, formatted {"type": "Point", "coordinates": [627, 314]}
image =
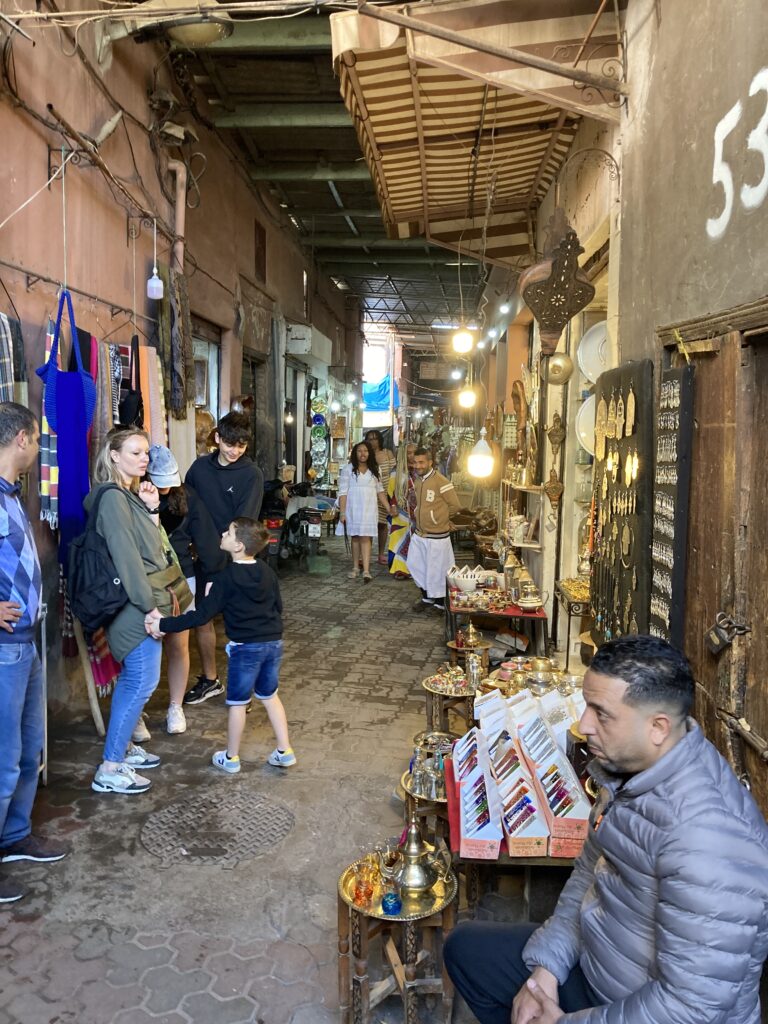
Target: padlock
{"type": "Point", "coordinates": [723, 633]}
{"type": "Point", "coordinates": [717, 639]}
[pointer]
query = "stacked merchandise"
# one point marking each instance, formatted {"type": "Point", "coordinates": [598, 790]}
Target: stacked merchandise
{"type": "Point", "coordinates": [513, 781]}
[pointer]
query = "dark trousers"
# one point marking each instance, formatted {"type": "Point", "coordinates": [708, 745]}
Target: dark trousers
{"type": "Point", "coordinates": [485, 961]}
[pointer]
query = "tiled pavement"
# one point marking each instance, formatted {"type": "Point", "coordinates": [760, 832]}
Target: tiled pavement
{"type": "Point", "coordinates": [147, 921]}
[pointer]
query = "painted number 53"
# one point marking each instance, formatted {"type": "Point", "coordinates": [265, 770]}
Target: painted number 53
{"type": "Point", "coordinates": [751, 196]}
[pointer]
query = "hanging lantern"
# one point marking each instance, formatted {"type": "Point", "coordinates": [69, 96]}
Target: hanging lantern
{"type": "Point", "coordinates": [462, 341]}
{"type": "Point", "coordinates": [467, 398]}
{"type": "Point", "coordinates": [556, 289]}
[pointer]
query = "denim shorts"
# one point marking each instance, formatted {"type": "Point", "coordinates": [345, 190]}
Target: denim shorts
{"type": "Point", "coordinates": [253, 671]}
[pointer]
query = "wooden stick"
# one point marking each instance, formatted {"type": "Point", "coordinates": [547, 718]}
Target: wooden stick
{"type": "Point", "coordinates": [85, 661]}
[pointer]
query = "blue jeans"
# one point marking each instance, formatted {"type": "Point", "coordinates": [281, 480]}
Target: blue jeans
{"type": "Point", "coordinates": [135, 685]}
{"type": "Point", "coordinates": [485, 961]}
{"type": "Point", "coordinates": [21, 738]}
{"type": "Point", "coordinates": [253, 671]}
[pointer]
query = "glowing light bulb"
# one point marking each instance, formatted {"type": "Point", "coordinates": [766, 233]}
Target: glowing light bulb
{"type": "Point", "coordinates": [335, 406]}
{"type": "Point", "coordinates": [456, 374]}
{"type": "Point", "coordinates": [504, 308]}
{"type": "Point", "coordinates": [467, 398]}
{"type": "Point", "coordinates": [492, 332]}
{"type": "Point", "coordinates": [480, 461]}
{"type": "Point", "coordinates": [462, 341]}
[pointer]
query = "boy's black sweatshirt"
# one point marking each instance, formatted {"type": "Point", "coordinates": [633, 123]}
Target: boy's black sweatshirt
{"type": "Point", "coordinates": [249, 596]}
{"type": "Point", "coordinates": [227, 491]}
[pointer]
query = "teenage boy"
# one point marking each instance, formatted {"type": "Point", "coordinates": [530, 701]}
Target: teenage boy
{"type": "Point", "coordinates": [231, 485]}
{"type": "Point", "coordinates": [248, 594]}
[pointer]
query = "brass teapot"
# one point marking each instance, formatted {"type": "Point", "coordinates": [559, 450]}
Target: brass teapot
{"type": "Point", "coordinates": [416, 871]}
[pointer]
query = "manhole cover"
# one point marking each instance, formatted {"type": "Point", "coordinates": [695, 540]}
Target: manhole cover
{"type": "Point", "coordinates": [207, 829]}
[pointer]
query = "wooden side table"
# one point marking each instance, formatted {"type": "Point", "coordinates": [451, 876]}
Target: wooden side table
{"type": "Point", "coordinates": [440, 702]}
{"type": "Point", "coordinates": [426, 808]}
{"type": "Point", "coordinates": [423, 923]}
{"type": "Point", "coordinates": [456, 653]}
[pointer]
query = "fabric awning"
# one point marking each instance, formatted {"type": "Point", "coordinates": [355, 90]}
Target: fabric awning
{"type": "Point", "coordinates": [461, 145]}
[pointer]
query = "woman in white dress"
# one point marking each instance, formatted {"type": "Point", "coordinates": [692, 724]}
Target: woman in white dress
{"type": "Point", "coordinates": [361, 492]}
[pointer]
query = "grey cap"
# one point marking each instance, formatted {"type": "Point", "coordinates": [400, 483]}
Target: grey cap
{"type": "Point", "coordinates": [163, 470]}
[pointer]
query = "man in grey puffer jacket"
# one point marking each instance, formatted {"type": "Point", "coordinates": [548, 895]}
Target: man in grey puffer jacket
{"type": "Point", "coordinates": [665, 917]}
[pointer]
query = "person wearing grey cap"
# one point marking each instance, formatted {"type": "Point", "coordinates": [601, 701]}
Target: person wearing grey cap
{"type": "Point", "coordinates": [193, 537]}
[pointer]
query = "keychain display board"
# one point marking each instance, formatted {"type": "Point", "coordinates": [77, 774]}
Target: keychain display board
{"type": "Point", "coordinates": [672, 479]}
{"type": "Point", "coordinates": [623, 501]}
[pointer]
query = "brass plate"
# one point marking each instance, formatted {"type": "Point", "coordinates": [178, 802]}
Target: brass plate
{"type": "Point", "coordinates": [465, 691]}
{"type": "Point", "coordinates": [414, 907]}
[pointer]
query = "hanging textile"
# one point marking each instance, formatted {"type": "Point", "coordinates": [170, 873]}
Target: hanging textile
{"type": "Point", "coordinates": [116, 379]}
{"type": "Point", "coordinates": [6, 360]}
{"type": "Point", "coordinates": [103, 417]}
{"type": "Point", "coordinates": [49, 459]}
{"type": "Point", "coordinates": [144, 377]}
{"type": "Point", "coordinates": [19, 359]}
{"type": "Point", "coordinates": [105, 668]}
{"type": "Point", "coordinates": [66, 620]}
{"type": "Point", "coordinates": [157, 429]}
{"type": "Point", "coordinates": [69, 401]}
{"type": "Point", "coordinates": [174, 344]}
{"type": "Point", "coordinates": [131, 408]}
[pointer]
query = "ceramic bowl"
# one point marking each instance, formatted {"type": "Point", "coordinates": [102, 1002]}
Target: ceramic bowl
{"type": "Point", "coordinates": [467, 584]}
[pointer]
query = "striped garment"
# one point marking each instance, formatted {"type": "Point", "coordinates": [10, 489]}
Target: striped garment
{"type": "Point", "coordinates": [20, 576]}
{"type": "Point", "coordinates": [6, 360]}
{"type": "Point", "coordinates": [49, 459]}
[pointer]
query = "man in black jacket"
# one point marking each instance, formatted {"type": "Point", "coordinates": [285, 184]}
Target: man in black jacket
{"type": "Point", "coordinates": [231, 486]}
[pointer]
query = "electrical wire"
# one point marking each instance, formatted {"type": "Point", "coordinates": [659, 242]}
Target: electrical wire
{"type": "Point", "coordinates": [59, 171]}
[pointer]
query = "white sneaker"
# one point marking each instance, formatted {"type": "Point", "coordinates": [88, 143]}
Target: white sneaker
{"type": "Point", "coordinates": [175, 721]}
{"type": "Point", "coordinates": [227, 764]}
{"type": "Point", "coordinates": [284, 760]}
{"type": "Point", "coordinates": [141, 733]}
{"type": "Point", "coordinates": [121, 779]}
{"type": "Point", "coordinates": [138, 757]}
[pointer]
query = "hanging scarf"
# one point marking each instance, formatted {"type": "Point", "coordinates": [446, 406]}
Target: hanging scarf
{"type": "Point", "coordinates": [49, 460]}
{"type": "Point", "coordinates": [6, 360]}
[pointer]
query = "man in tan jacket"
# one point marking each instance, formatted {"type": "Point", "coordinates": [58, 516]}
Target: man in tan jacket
{"type": "Point", "coordinates": [430, 554]}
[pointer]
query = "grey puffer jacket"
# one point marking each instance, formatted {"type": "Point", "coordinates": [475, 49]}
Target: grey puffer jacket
{"type": "Point", "coordinates": [667, 906]}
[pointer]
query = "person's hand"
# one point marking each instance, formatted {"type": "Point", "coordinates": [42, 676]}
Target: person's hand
{"type": "Point", "coordinates": [151, 619]}
{"type": "Point", "coordinates": [10, 613]}
{"type": "Point", "coordinates": [149, 494]}
{"type": "Point", "coordinates": [528, 1003]}
{"type": "Point", "coordinates": [343, 517]}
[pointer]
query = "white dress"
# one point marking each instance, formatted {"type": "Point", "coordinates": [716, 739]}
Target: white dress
{"type": "Point", "coordinates": [362, 491]}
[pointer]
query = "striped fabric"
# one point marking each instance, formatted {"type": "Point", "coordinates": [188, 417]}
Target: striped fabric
{"type": "Point", "coordinates": [462, 146]}
{"type": "Point", "coordinates": [6, 360]}
{"type": "Point", "coordinates": [49, 460]}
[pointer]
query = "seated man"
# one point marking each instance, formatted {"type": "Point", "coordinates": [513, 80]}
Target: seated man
{"type": "Point", "coordinates": [665, 917]}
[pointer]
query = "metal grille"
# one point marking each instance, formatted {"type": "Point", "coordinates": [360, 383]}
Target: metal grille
{"type": "Point", "coordinates": [202, 830]}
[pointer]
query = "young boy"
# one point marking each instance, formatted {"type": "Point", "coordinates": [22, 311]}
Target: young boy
{"type": "Point", "coordinates": [231, 485]}
{"type": "Point", "coordinates": [248, 594]}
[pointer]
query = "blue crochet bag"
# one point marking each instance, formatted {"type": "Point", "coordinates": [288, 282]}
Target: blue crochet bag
{"type": "Point", "coordinates": [49, 373]}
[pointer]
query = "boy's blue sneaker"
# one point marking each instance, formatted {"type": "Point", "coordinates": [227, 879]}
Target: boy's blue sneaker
{"type": "Point", "coordinates": [227, 764]}
{"type": "Point", "coordinates": [282, 760]}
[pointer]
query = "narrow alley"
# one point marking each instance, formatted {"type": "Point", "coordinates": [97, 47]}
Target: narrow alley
{"type": "Point", "coordinates": [213, 898]}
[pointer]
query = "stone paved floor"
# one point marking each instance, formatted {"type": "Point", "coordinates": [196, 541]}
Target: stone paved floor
{"type": "Point", "coordinates": [146, 922]}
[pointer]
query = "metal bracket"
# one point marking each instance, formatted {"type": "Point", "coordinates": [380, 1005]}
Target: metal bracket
{"type": "Point", "coordinates": [57, 155]}
{"type": "Point", "coordinates": [135, 223]}
{"type": "Point", "coordinates": [31, 281]}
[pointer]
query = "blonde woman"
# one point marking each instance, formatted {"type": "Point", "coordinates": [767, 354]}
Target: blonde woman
{"type": "Point", "coordinates": [128, 520]}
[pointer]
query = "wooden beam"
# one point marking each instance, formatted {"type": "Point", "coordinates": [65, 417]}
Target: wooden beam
{"type": "Point", "coordinates": [286, 115]}
{"type": "Point", "coordinates": [508, 53]}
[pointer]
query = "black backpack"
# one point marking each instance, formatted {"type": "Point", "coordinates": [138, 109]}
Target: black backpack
{"type": "Point", "coordinates": [96, 593]}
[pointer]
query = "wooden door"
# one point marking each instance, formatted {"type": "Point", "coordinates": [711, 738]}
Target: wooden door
{"type": "Point", "coordinates": [728, 547]}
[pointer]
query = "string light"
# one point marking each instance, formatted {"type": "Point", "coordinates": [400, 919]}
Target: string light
{"type": "Point", "coordinates": [504, 308]}
{"type": "Point", "coordinates": [456, 374]}
{"type": "Point", "coordinates": [467, 398]}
